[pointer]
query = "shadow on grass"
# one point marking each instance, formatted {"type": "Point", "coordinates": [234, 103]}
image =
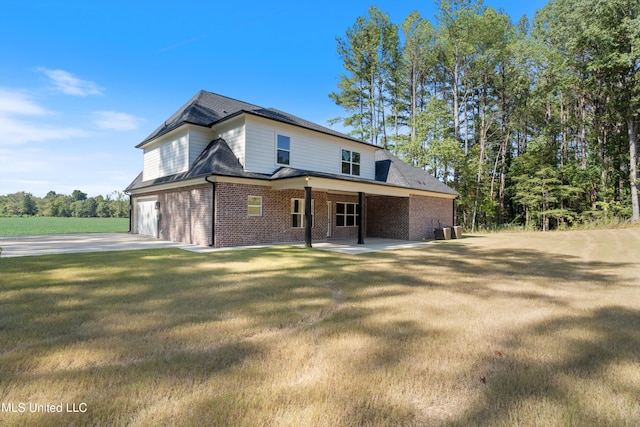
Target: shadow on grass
{"type": "Point", "coordinates": [593, 343]}
{"type": "Point", "coordinates": [144, 318]}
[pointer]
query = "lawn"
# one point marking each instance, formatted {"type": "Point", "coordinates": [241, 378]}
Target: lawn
{"type": "Point", "coordinates": [535, 329]}
{"type": "Point", "coordinates": [10, 226]}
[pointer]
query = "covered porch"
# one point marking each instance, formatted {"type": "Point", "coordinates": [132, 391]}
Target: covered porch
{"type": "Point", "coordinates": [376, 210]}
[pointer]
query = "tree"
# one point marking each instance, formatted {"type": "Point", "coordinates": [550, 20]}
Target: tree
{"type": "Point", "coordinates": [612, 39]}
{"type": "Point", "coordinates": [493, 104]}
{"type": "Point", "coordinates": [369, 52]}
{"type": "Point", "coordinates": [28, 205]}
{"type": "Point", "coordinates": [78, 195]}
{"type": "Point", "coordinates": [85, 208]}
{"type": "Point", "coordinates": [418, 64]}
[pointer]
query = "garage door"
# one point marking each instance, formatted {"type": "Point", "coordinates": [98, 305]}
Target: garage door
{"type": "Point", "coordinates": [146, 218]}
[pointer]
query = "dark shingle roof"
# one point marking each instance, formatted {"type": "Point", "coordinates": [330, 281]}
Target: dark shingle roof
{"type": "Point", "coordinates": [204, 109]}
{"type": "Point", "coordinates": [392, 170]}
{"type": "Point", "coordinates": [207, 109]}
{"type": "Point", "coordinates": [218, 159]}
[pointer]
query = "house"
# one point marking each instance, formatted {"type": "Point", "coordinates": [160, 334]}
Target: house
{"type": "Point", "coordinates": [222, 172]}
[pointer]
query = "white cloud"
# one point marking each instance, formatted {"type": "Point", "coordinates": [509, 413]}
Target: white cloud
{"type": "Point", "coordinates": [67, 83]}
{"type": "Point", "coordinates": [14, 131]}
{"type": "Point", "coordinates": [116, 121]}
{"type": "Point", "coordinates": [19, 102]}
{"type": "Point", "coordinates": [15, 104]}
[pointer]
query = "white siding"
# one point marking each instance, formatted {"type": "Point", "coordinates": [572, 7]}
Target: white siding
{"type": "Point", "coordinates": [175, 152]}
{"type": "Point", "coordinates": [233, 132]}
{"type": "Point", "coordinates": [151, 168]}
{"type": "Point", "coordinates": [168, 156]}
{"type": "Point", "coordinates": [309, 150]}
{"type": "Point", "coordinates": [199, 138]}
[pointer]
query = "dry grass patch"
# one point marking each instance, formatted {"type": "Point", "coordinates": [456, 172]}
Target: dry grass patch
{"type": "Point", "coordinates": [504, 329]}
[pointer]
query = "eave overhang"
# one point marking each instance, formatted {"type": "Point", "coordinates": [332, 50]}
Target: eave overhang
{"type": "Point", "coordinates": [299, 183]}
{"type": "Point", "coordinates": [348, 186]}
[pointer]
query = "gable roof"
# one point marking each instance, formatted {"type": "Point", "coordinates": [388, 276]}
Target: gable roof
{"type": "Point", "coordinates": [218, 159]}
{"type": "Point", "coordinates": [207, 109]}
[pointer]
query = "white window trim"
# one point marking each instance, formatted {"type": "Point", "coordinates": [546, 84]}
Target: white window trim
{"type": "Point", "coordinates": [302, 221]}
{"type": "Point", "coordinates": [351, 162]}
{"type": "Point", "coordinates": [282, 149]}
{"type": "Point", "coordinates": [249, 205]}
{"type": "Point", "coordinates": [345, 215]}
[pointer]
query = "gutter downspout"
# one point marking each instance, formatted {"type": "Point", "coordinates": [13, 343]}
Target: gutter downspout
{"type": "Point", "coordinates": [130, 210]}
{"type": "Point", "coordinates": [453, 212]}
{"type": "Point", "coordinates": [213, 210]}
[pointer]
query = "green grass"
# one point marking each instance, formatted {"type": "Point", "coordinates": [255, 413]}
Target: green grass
{"type": "Point", "coordinates": [10, 226]}
{"type": "Point", "coordinates": [535, 329]}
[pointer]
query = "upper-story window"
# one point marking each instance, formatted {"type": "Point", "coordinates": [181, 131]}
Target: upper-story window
{"type": "Point", "coordinates": [350, 162]}
{"type": "Point", "coordinates": [283, 149]}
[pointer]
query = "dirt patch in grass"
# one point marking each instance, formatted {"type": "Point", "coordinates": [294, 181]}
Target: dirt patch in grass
{"type": "Point", "coordinates": [501, 329]}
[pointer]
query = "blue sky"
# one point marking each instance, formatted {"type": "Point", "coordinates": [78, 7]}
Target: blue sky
{"type": "Point", "coordinates": [82, 82]}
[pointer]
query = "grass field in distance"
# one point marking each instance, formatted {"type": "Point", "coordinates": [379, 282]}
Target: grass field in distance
{"type": "Point", "coordinates": [11, 226]}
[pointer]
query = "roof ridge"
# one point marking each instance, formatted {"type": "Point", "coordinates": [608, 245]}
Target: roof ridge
{"type": "Point", "coordinates": [229, 98]}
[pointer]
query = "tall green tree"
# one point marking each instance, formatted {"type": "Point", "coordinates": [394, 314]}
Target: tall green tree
{"type": "Point", "coordinates": [369, 52]}
{"type": "Point", "coordinates": [419, 53]}
{"type": "Point", "coordinates": [537, 122]}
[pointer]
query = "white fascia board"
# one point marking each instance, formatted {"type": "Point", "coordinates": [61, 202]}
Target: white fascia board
{"type": "Point", "coordinates": [235, 180]}
{"type": "Point", "coordinates": [168, 186]}
{"type": "Point", "coordinates": [328, 184]}
{"type": "Point", "coordinates": [173, 133]}
{"type": "Point", "coordinates": [298, 183]}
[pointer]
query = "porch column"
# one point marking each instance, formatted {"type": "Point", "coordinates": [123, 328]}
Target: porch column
{"type": "Point", "coordinates": [307, 217]}
{"type": "Point", "coordinates": [362, 217]}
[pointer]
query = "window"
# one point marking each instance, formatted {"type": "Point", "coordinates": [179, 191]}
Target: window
{"type": "Point", "coordinates": [254, 206]}
{"type": "Point", "coordinates": [283, 149]}
{"type": "Point", "coordinates": [297, 213]}
{"type": "Point", "coordinates": [347, 214]}
{"type": "Point", "coordinates": [350, 162]}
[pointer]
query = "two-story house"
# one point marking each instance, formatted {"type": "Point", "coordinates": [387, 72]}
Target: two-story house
{"type": "Point", "coordinates": [222, 172]}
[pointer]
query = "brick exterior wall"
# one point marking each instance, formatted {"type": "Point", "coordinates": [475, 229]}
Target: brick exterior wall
{"type": "Point", "coordinates": [387, 217]}
{"type": "Point", "coordinates": [185, 215]}
{"type": "Point", "coordinates": [341, 232]}
{"type": "Point", "coordinates": [234, 227]}
{"type": "Point", "coordinates": [427, 213]}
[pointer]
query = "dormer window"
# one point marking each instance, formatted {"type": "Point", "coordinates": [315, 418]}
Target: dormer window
{"type": "Point", "coordinates": [350, 162]}
{"type": "Point", "coordinates": [283, 149]}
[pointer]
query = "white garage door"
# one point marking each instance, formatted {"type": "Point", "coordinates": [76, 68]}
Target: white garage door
{"type": "Point", "coordinates": [146, 217]}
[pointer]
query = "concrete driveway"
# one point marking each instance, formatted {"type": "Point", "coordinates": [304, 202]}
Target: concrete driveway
{"type": "Point", "coordinates": [13, 246]}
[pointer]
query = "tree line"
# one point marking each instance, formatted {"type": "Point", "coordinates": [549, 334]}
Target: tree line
{"type": "Point", "coordinates": [534, 123]}
{"type": "Point", "coordinates": [113, 205]}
